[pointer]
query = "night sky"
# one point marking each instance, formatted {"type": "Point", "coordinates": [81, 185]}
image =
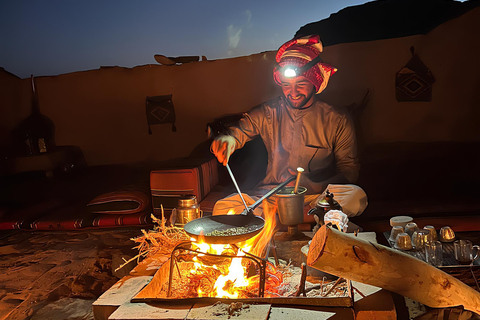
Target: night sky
{"type": "Point", "coordinates": [55, 37]}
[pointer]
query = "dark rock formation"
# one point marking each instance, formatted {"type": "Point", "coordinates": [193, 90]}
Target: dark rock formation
{"type": "Point", "coordinates": [384, 19]}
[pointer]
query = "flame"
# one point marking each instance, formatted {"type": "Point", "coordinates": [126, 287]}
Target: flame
{"type": "Point", "coordinates": [227, 286]}
{"type": "Point", "coordinates": [258, 243]}
{"type": "Point", "coordinates": [233, 281]}
{"type": "Point", "coordinates": [231, 212]}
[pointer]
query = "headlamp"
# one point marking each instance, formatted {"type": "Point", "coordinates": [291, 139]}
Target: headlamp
{"type": "Point", "coordinates": [291, 71]}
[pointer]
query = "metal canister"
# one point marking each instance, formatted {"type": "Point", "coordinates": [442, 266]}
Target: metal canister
{"type": "Point", "coordinates": [290, 205]}
{"type": "Point", "coordinates": [186, 211]}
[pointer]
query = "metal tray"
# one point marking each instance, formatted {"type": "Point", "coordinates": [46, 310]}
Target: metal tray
{"type": "Point", "coordinates": [448, 253]}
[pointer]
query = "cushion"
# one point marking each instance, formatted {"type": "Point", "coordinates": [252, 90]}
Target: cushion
{"type": "Point", "coordinates": [120, 202]}
{"type": "Point", "coordinates": [197, 177]}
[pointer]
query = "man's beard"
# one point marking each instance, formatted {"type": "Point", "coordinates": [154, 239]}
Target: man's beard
{"type": "Point", "coordinates": [301, 102]}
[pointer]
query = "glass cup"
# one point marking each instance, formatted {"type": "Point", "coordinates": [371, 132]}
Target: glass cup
{"type": "Point", "coordinates": [410, 228]}
{"type": "Point", "coordinates": [396, 230]}
{"type": "Point", "coordinates": [403, 241]}
{"type": "Point", "coordinates": [420, 239]}
{"type": "Point", "coordinates": [434, 253]}
{"type": "Point", "coordinates": [447, 234]}
{"type": "Point", "coordinates": [465, 252]}
{"type": "Point", "coordinates": [433, 232]}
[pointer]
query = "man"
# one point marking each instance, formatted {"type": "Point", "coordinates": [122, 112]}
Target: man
{"type": "Point", "coordinates": [298, 129]}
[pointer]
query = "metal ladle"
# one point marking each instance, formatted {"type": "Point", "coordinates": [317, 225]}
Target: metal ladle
{"type": "Point", "coordinates": [215, 229]}
{"type": "Point", "coordinates": [236, 186]}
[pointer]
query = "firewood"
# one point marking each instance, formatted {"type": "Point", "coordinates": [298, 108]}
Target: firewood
{"type": "Point", "coordinates": [346, 256]}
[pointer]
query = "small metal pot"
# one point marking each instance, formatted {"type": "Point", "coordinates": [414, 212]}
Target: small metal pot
{"type": "Point", "coordinates": [187, 210]}
{"type": "Point", "coordinates": [290, 205]}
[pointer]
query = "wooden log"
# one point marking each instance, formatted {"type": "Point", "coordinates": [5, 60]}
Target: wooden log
{"type": "Point", "coordinates": [346, 256]}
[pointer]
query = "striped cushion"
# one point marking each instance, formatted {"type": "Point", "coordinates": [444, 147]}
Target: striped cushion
{"type": "Point", "coordinates": [119, 202]}
{"type": "Point", "coordinates": [90, 221]}
{"type": "Point", "coordinates": [167, 185]}
{"type": "Point", "coordinates": [117, 220]}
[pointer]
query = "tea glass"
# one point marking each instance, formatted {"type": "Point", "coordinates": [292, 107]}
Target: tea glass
{"type": "Point", "coordinates": [403, 241]}
{"type": "Point", "coordinates": [433, 232]}
{"type": "Point", "coordinates": [420, 239]}
{"type": "Point", "coordinates": [465, 252]}
{"type": "Point", "coordinates": [396, 230]}
{"type": "Point", "coordinates": [434, 253]}
{"type": "Point", "coordinates": [410, 228]}
{"type": "Point", "coordinates": [447, 234]}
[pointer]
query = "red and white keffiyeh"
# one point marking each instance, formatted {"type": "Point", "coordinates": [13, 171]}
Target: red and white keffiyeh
{"type": "Point", "coordinates": [297, 53]}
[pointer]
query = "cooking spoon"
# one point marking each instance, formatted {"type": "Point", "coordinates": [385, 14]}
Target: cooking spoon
{"type": "Point", "coordinates": [236, 186]}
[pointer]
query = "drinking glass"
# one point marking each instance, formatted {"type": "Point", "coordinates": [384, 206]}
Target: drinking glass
{"type": "Point", "coordinates": [396, 230]}
{"type": "Point", "coordinates": [434, 253]}
{"type": "Point", "coordinates": [465, 252]}
{"type": "Point", "coordinates": [433, 233]}
{"type": "Point", "coordinates": [420, 239]}
{"type": "Point", "coordinates": [410, 228]}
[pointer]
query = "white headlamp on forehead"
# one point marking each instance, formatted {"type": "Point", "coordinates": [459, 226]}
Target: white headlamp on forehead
{"type": "Point", "coordinates": [292, 71]}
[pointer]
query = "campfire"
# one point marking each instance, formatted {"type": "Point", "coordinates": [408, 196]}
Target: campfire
{"type": "Point", "coordinates": [243, 271]}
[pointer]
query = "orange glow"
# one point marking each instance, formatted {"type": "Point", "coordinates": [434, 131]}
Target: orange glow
{"type": "Point", "coordinates": [231, 278]}
{"type": "Point", "coordinates": [228, 286]}
{"type": "Point", "coordinates": [258, 243]}
{"type": "Point", "coordinates": [230, 212]}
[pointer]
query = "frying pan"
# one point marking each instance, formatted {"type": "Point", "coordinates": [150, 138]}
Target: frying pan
{"type": "Point", "coordinates": [228, 229]}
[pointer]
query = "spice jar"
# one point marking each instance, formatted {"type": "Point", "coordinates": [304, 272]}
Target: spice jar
{"type": "Point", "coordinates": [186, 211]}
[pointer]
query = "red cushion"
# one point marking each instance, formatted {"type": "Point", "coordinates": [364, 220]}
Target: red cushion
{"type": "Point", "coordinates": [167, 185]}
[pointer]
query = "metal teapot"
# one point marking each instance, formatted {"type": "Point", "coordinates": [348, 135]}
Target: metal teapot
{"type": "Point", "coordinates": [323, 206]}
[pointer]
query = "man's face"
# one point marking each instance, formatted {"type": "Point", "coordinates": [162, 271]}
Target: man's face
{"type": "Point", "coordinates": [298, 91]}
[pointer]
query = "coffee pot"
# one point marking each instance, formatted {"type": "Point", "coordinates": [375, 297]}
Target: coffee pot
{"type": "Point", "coordinates": [186, 211]}
{"type": "Point", "coordinates": [324, 205]}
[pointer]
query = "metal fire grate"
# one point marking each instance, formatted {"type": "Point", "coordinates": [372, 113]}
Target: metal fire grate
{"type": "Point", "coordinates": [159, 289]}
{"type": "Point", "coordinates": [186, 246]}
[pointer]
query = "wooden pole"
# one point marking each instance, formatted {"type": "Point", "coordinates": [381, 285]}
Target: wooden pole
{"type": "Point", "coordinates": [346, 256]}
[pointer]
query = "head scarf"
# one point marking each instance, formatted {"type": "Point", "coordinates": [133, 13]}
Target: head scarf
{"type": "Point", "coordinates": [297, 53]}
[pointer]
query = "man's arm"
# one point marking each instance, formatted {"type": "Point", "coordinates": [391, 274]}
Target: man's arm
{"type": "Point", "coordinates": [247, 128]}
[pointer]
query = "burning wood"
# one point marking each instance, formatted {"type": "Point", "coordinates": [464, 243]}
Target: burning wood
{"type": "Point", "coordinates": [211, 270]}
{"type": "Point", "coordinates": [225, 275]}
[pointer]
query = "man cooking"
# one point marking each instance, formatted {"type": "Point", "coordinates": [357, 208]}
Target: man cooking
{"type": "Point", "coordinates": [299, 130]}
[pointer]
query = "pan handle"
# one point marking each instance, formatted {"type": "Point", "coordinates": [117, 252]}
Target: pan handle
{"type": "Point", "coordinates": [266, 195]}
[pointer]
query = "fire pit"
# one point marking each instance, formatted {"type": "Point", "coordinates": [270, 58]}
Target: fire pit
{"type": "Point", "coordinates": [191, 275]}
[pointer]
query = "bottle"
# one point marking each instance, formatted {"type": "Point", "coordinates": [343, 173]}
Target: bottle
{"type": "Point", "coordinates": [35, 134]}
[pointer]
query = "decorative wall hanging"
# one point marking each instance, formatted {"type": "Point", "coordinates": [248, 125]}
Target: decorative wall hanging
{"type": "Point", "coordinates": [160, 110]}
{"type": "Point", "coordinates": [414, 81]}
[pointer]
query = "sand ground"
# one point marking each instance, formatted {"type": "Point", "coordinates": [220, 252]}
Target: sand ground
{"type": "Point", "coordinates": [59, 274]}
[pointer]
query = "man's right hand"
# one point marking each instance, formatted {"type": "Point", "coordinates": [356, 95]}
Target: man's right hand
{"type": "Point", "coordinates": [222, 147]}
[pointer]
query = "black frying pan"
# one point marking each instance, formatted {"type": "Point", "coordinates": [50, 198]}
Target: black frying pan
{"type": "Point", "coordinates": [227, 229]}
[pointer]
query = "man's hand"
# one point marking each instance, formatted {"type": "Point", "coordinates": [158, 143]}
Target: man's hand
{"type": "Point", "coordinates": [222, 147]}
